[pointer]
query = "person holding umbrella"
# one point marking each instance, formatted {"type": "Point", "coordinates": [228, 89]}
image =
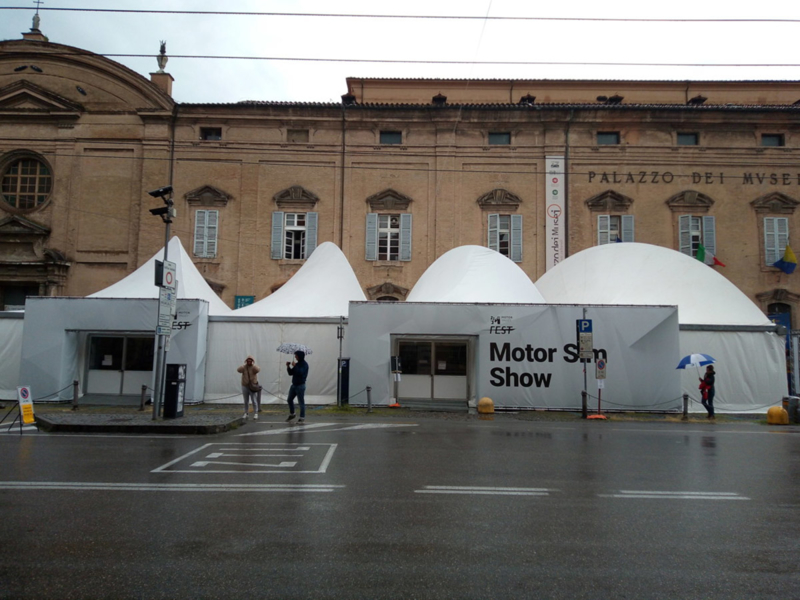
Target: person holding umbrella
{"type": "Point", "coordinates": [707, 384]}
{"type": "Point", "coordinates": [299, 372]}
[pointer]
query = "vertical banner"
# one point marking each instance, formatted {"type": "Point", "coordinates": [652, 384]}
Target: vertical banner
{"type": "Point", "coordinates": [554, 211]}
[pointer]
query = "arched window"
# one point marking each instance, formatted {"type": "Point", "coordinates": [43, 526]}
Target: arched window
{"type": "Point", "coordinates": [27, 182]}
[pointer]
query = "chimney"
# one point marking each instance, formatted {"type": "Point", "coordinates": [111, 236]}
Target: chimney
{"type": "Point", "coordinates": [439, 100]}
{"type": "Point", "coordinates": [163, 81]}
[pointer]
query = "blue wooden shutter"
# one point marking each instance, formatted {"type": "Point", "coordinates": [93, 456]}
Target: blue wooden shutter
{"type": "Point", "coordinates": [516, 238]}
{"type": "Point", "coordinates": [627, 228]}
{"type": "Point", "coordinates": [494, 225]}
{"type": "Point", "coordinates": [710, 239]}
{"type": "Point", "coordinates": [277, 235]}
{"type": "Point", "coordinates": [371, 242]}
{"type": "Point", "coordinates": [311, 233]}
{"type": "Point", "coordinates": [685, 234]}
{"type": "Point", "coordinates": [603, 228]}
{"type": "Point", "coordinates": [405, 236]}
{"type": "Point", "coordinates": [212, 226]}
{"type": "Point", "coordinates": [200, 233]}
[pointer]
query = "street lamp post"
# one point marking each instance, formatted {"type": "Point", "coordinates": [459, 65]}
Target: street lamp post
{"type": "Point", "coordinates": [167, 213]}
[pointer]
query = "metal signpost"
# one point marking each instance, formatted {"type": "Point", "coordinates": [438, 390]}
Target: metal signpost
{"type": "Point", "coordinates": [600, 376]}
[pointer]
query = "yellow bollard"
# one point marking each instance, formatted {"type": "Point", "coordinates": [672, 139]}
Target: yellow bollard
{"type": "Point", "coordinates": [777, 415]}
{"type": "Point", "coordinates": [485, 406]}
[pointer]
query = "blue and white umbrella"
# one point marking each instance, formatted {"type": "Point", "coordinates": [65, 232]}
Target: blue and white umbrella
{"type": "Point", "coordinates": [289, 348]}
{"type": "Point", "coordinates": [695, 360]}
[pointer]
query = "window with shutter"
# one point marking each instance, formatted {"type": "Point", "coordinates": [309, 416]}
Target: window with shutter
{"type": "Point", "coordinates": [206, 226]}
{"type": "Point", "coordinates": [776, 237]}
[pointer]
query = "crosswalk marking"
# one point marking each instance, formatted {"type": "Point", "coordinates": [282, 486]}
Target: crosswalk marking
{"type": "Point", "coordinates": [326, 427]}
{"type": "Point", "coordinates": [281, 465]}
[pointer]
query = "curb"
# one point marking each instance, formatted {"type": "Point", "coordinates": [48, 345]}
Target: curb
{"type": "Point", "coordinates": [159, 427]}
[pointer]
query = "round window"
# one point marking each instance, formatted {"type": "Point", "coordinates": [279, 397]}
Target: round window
{"type": "Point", "coordinates": [26, 183]}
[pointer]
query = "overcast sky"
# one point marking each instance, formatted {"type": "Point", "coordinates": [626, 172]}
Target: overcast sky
{"type": "Point", "coordinates": [473, 40]}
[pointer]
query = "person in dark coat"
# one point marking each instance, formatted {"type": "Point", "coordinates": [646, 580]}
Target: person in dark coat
{"type": "Point", "coordinates": [299, 372]}
{"type": "Point", "coordinates": [708, 395]}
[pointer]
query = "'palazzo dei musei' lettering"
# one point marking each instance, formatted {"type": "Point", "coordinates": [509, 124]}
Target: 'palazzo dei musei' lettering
{"type": "Point", "coordinates": [706, 177]}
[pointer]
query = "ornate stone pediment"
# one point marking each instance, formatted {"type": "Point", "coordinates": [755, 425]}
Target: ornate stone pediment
{"type": "Point", "coordinates": [296, 197]}
{"type": "Point", "coordinates": [208, 195]}
{"type": "Point", "coordinates": [775, 203]}
{"type": "Point", "coordinates": [499, 199]}
{"type": "Point", "coordinates": [609, 202]}
{"type": "Point", "coordinates": [689, 201]}
{"type": "Point", "coordinates": [387, 289]}
{"type": "Point", "coordinates": [25, 96]}
{"type": "Point", "coordinates": [389, 199]}
{"type": "Point", "coordinates": [22, 240]}
{"type": "Point", "coordinates": [16, 226]}
{"type": "Point", "coordinates": [778, 295]}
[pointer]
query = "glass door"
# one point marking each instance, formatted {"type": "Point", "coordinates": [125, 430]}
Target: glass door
{"type": "Point", "coordinates": [119, 364]}
{"type": "Point", "coordinates": [433, 369]}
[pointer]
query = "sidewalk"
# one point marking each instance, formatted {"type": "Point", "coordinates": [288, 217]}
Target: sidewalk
{"type": "Point", "coordinates": [209, 419]}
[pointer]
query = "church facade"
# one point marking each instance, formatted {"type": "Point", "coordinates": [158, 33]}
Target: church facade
{"type": "Point", "coordinates": [397, 173]}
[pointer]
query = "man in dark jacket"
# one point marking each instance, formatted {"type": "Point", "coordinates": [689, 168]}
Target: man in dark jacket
{"type": "Point", "coordinates": [299, 373]}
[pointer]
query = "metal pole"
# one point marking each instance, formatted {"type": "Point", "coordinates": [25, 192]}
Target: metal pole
{"type": "Point", "coordinates": [599, 394]}
{"type": "Point", "coordinates": [162, 355]}
{"type": "Point", "coordinates": [74, 394]}
{"type": "Point", "coordinates": [585, 363]}
{"type": "Point", "coordinates": [584, 406]}
{"type": "Point", "coordinates": [144, 393]}
{"type": "Point", "coordinates": [369, 399]}
{"type": "Point", "coordinates": [685, 408]}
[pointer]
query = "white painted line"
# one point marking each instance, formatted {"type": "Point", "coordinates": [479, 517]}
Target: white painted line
{"type": "Point", "coordinates": [323, 468]}
{"type": "Point", "coordinates": [485, 491]}
{"type": "Point", "coordinates": [179, 459]}
{"type": "Point", "coordinates": [317, 428]}
{"type": "Point", "coordinates": [205, 463]}
{"type": "Point", "coordinates": [675, 495]}
{"type": "Point", "coordinates": [221, 454]}
{"type": "Point", "coordinates": [164, 487]}
{"type": "Point", "coordinates": [244, 448]}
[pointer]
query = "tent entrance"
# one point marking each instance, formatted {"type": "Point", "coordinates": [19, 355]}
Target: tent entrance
{"type": "Point", "coordinates": [120, 365]}
{"type": "Point", "coordinates": [435, 373]}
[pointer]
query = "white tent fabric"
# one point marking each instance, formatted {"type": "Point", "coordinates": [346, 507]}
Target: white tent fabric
{"type": "Point", "coordinates": [191, 284]}
{"type": "Point", "coordinates": [11, 324]}
{"type": "Point", "coordinates": [632, 273]}
{"type": "Point", "coordinates": [751, 363]}
{"type": "Point", "coordinates": [322, 287]}
{"type": "Point", "coordinates": [474, 274]}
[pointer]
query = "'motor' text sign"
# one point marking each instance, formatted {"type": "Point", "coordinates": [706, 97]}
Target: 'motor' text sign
{"type": "Point", "coordinates": [25, 404]}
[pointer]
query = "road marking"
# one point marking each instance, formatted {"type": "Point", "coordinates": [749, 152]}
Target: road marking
{"type": "Point", "coordinates": [318, 428]}
{"type": "Point", "coordinates": [492, 491]}
{"type": "Point", "coordinates": [675, 495]}
{"type": "Point", "coordinates": [164, 487]}
{"type": "Point", "coordinates": [205, 463]}
{"type": "Point", "coordinates": [305, 455]}
{"type": "Point", "coordinates": [15, 429]}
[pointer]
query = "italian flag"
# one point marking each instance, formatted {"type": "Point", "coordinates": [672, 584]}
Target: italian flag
{"type": "Point", "coordinates": [707, 257]}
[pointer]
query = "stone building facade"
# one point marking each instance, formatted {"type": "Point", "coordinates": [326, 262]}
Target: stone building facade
{"type": "Point", "coordinates": [396, 174]}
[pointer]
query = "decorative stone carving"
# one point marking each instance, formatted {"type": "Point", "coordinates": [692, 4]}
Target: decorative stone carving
{"type": "Point", "coordinates": [690, 201]}
{"type": "Point", "coordinates": [387, 289]}
{"type": "Point", "coordinates": [296, 197]}
{"type": "Point", "coordinates": [609, 202]}
{"type": "Point", "coordinates": [775, 203]}
{"type": "Point", "coordinates": [499, 200]}
{"type": "Point", "coordinates": [207, 195]}
{"type": "Point", "coordinates": [389, 199]}
{"type": "Point", "coordinates": [778, 295]}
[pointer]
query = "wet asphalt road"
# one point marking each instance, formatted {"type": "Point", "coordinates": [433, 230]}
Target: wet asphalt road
{"type": "Point", "coordinates": [424, 508]}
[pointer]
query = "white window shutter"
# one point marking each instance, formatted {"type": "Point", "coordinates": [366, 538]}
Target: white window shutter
{"type": "Point", "coordinates": [627, 228]}
{"type": "Point", "coordinates": [685, 234]}
{"type": "Point", "coordinates": [200, 233]}
{"type": "Point", "coordinates": [405, 236]}
{"type": "Point", "coordinates": [710, 238]}
{"type": "Point", "coordinates": [212, 227]}
{"type": "Point", "coordinates": [276, 251]}
{"type": "Point", "coordinates": [311, 233]}
{"type": "Point", "coordinates": [603, 226]}
{"type": "Point", "coordinates": [782, 230]}
{"type": "Point", "coordinates": [516, 238]}
{"type": "Point", "coordinates": [371, 241]}
{"type": "Point", "coordinates": [494, 223]}
{"type": "Point", "coordinates": [776, 237]}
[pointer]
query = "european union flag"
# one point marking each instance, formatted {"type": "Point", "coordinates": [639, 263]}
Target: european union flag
{"type": "Point", "coordinates": [788, 263]}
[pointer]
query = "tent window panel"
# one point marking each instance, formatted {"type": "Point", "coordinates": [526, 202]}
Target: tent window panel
{"type": "Point", "coordinates": [415, 358]}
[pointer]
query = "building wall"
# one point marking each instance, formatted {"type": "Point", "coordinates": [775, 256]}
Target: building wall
{"type": "Point", "coordinates": [123, 136]}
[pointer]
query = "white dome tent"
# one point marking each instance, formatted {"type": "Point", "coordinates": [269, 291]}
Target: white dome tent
{"type": "Point", "coordinates": [715, 317]}
{"type": "Point", "coordinates": [474, 274]}
{"type": "Point", "coordinates": [307, 309]}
